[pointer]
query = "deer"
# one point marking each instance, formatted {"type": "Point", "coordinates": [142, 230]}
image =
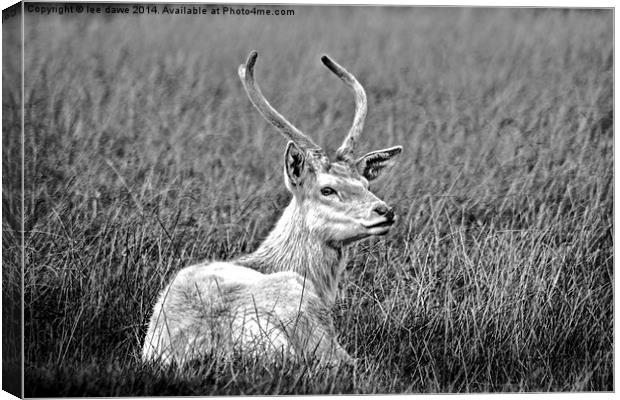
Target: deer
{"type": "Point", "coordinates": [276, 302]}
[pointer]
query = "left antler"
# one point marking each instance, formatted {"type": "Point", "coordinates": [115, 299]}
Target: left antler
{"type": "Point", "coordinates": [246, 73]}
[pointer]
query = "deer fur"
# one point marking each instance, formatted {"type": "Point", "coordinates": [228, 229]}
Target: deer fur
{"type": "Point", "coordinates": [276, 301]}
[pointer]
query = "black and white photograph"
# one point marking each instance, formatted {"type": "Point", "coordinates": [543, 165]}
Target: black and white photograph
{"type": "Point", "coordinates": [206, 199]}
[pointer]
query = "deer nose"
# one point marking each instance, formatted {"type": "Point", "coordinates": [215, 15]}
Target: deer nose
{"type": "Point", "coordinates": [387, 212]}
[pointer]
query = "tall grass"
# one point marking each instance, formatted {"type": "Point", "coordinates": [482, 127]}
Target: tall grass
{"type": "Point", "coordinates": [143, 155]}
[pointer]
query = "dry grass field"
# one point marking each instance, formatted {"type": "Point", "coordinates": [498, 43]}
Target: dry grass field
{"type": "Point", "coordinates": [144, 155]}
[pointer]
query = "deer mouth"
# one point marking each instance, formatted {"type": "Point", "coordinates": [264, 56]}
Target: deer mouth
{"type": "Point", "coordinates": [386, 223]}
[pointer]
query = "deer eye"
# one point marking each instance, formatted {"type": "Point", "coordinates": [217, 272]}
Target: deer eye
{"type": "Point", "coordinates": [327, 191]}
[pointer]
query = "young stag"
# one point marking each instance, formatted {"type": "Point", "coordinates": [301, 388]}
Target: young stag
{"type": "Point", "coordinates": [276, 301]}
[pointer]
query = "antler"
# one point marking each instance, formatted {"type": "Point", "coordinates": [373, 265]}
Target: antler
{"type": "Point", "coordinates": [246, 73]}
{"type": "Point", "coordinates": [346, 149]}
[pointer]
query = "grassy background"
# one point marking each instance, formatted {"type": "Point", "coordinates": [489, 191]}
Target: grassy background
{"type": "Point", "coordinates": [143, 155]}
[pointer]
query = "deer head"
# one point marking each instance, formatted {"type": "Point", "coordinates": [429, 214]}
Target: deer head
{"type": "Point", "coordinates": [333, 197]}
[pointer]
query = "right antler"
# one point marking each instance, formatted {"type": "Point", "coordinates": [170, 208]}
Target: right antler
{"type": "Point", "coordinates": [345, 151]}
{"type": "Point", "coordinates": [246, 73]}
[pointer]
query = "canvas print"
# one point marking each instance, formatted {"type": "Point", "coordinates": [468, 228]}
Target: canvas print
{"type": "Point", "coordinates": [212, 199]}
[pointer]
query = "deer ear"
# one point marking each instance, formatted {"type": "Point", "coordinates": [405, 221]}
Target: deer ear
{"type": "Point", "coordinates": [372, 164]}
{"type": "Point", "coordinates": [294, 164]}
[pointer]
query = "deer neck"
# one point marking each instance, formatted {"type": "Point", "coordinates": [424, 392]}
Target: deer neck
{"type": "Point", "coordinates": [291, 246]}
